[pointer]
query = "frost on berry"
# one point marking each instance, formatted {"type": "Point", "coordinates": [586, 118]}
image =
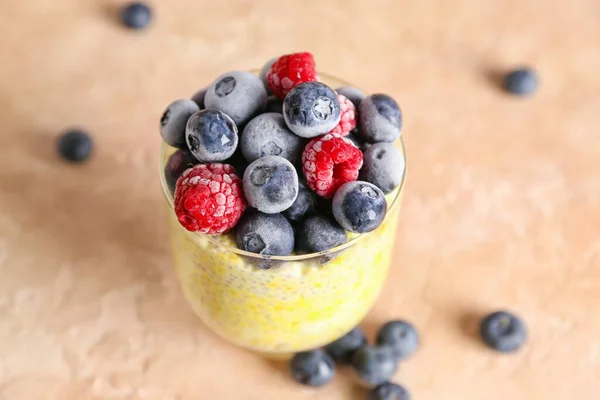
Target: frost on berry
{"type": "Point", "coordinates": [330, 161]}
{"type": "Point", "coordinates": [208, 199]}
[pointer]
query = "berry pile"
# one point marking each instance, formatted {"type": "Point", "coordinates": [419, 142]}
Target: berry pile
{"type": "Point", "coordinates": [286, 158]}
{"type": "Point", "coordinates": [373, 365]}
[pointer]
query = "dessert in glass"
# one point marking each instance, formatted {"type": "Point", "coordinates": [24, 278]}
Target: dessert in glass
{"type": "Point", "coordinates": [268, 271]}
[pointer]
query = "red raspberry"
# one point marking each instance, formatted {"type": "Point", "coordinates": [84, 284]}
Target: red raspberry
{"type": "Point", "coordinates": [289, 71]}
{"type": "Point", "coordinates": [330, 161]}
{"type": "Point", "coordinates": [347, 116]}
{"type": "Point", "coordinates": [208, 198]}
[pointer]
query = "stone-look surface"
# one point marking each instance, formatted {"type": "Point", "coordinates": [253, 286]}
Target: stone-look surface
{"type": "Point", "coordinates": [501, 209]}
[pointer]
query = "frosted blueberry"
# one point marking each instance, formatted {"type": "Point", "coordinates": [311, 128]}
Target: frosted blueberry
{"type": "Point", "coordinates": [312, 368]}
{"type": "Point", "coordinates": [374, 365]}
{"type": "Point", "coordinates": [343, 349]}
{"type": "Point", "coordinates": [266, 234]}
{"type": "Point", "coordinates": [268, 135]}
{"type": "Point", "coordinates": [211, 135]}
{"type": "Point", "coordinates": [359, 206]}
{"type": "Point", "coordinates": [503, 331]}
{"type": "Point", "coordinates": [318, 233]}
{"type": "Point", "coordinates": [174, 121]}
{"type": "Point", "coordinates": [239, 94]}
{"type": "Point", "coordinates": [311, 109]}
{"type": "Point", "coordinates": [383, 166]}
{"type": "Point", "coordinates": [401, 337]}
{"type": "Point", "coordinates": [379, 119]}
{"type": "Point", "coordinates": [389, 391]}
{"type": "Point", "coordinates": [521, 82]}
{"type": "Point", "coordinates": [198, 98]}
{"type": "Point", "coordinates": [179, 161]}
{"type": "Point", "coordinates": [304, 204]}
{"type": "Point", "coordinates": [270, 184]}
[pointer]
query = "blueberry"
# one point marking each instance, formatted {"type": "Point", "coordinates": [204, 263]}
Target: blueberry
{"type": "Point", "coordinates": [271, 184]}
{"type": "Point", "coordinates": [268, 135]}
{"type": "Point", "coordinates": [174, 120]}
{"type": "Point", "coordinates": [343, 349]}
{"type": "Point", "coordinates": [211, 135]}
{"type": "Point", "coordinates": [238, 162]}
{"type": "Point", "coordinates": [353, 94]}
{"type": "Point", "coordinates": [312, 368]}
{"type": "Point", "coordinates": [136, 15]}
{"type": "Point", "coordinates": [319, 233]}
{"type": "Point", "coordinates": [266, 234]}
{"type": "Point", "coordinates": [383, 166]}
{"type": "Point", "coordinates": [389, 391]}
{"type": "Point", "coordinates": [198, 98]}
{"type": "Point", "coordinates": [304, 204]}
{"type": "Point", "coordinates": [75, 145]}
{"type": "Point", "coordinates": [521, 82]}
{"type": "Point", "coordinates": [374, 365]}
{"type": "Point", "coordinates": [239, 94]}
{"type": "Point", "coordinates": [311, 109]}
{"type": "Point", "coordinates": [274, 105]}
{"type": "Point", "coordinates": [359, 206]}
{"type": "Point", "coordinates": [179, 161]}
{"type": "Point", "coordinates": [263, 73]}
{"type": "Point", "coordinates": [503, 331]}
{"type": "Point", "coordinates": [379, 119]}
{"type": "Point", "coordinates": [401, 337]}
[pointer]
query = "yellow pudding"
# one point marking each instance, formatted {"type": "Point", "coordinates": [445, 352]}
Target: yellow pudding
{"type": "Point", "coordinates": [301, 302]}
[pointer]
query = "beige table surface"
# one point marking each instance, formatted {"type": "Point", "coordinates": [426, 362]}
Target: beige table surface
{"type": "Point", "coordinates": [502, 205]}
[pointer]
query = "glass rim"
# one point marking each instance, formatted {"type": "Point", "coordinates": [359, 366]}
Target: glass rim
{"type": "Point", "coordinates": [299, 257]}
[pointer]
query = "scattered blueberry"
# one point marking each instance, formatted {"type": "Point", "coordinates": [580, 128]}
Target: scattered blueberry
{"type": "Point", "coordinates": [353, 94]}
{"type": "Point", "coordinates": [311, 109]}
{"type": "Point", "coordinates": [359, 206]}
{"type": "Point", "coordinates": [179, 161]}
{"type": "Point", "coordinates": [174, 120]}
{"type": "Point", "coordinates": [312, 368]}
{"type": "Point", "coordinates": [401, 337]}
{"type": "Point", "coordinates": [319, 233]}
{"type": "Point", "coordinates": [263, 73]}
{"type": "Point", "coordinates": [379, 119]}
{"type": "Point", "coordinates": [75, 145]}
{"type": "Point", "coordinates": [268, 135]}
{"type": "Point", "coordinates": [274, 105]}
{"type": "Point", "coordinates": [374, 364]}
{"type": "Point", "coordinates": [271, 184]}
{"type": "Point", "coordinates": [136, 15]}
{"type": "Point", "coordinates": [521, 82]}
{"type": "Point", "coordinates": [198, 98]}
{"type": "Point", "coordinates": [239, 94]}
{"type": "Point", "coordinates": [389, 391]}
{"type": "Point", "coordinates": [503, 331]}
{"type": "Point", "coordinates": [266, 234]}
{"type": "Point", "coordinates": [211, 135]}
{"type": "Point", "coordinates": [383, 166]}
{"type": "Point", "coordinates": [343, 349]}
{"type": "Point", "coordinates": [304, 204]}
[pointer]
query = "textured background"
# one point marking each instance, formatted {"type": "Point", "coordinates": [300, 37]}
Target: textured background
{"type": "Point", "coordinates": [502, 205]}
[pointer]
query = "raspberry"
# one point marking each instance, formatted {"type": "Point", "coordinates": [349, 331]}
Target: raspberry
{"type": "Point", "coordinates": [347, 116]}
{"type": "Point", "coordinates": [289, 71]}
{"type": "Point", "coordinates": [330, 161]}
{"type": "Point", "coordinates": [208, 198]}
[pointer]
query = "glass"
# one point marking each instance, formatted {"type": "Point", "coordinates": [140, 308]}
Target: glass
{"type": "Point", "coordinates": [301, 302]}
